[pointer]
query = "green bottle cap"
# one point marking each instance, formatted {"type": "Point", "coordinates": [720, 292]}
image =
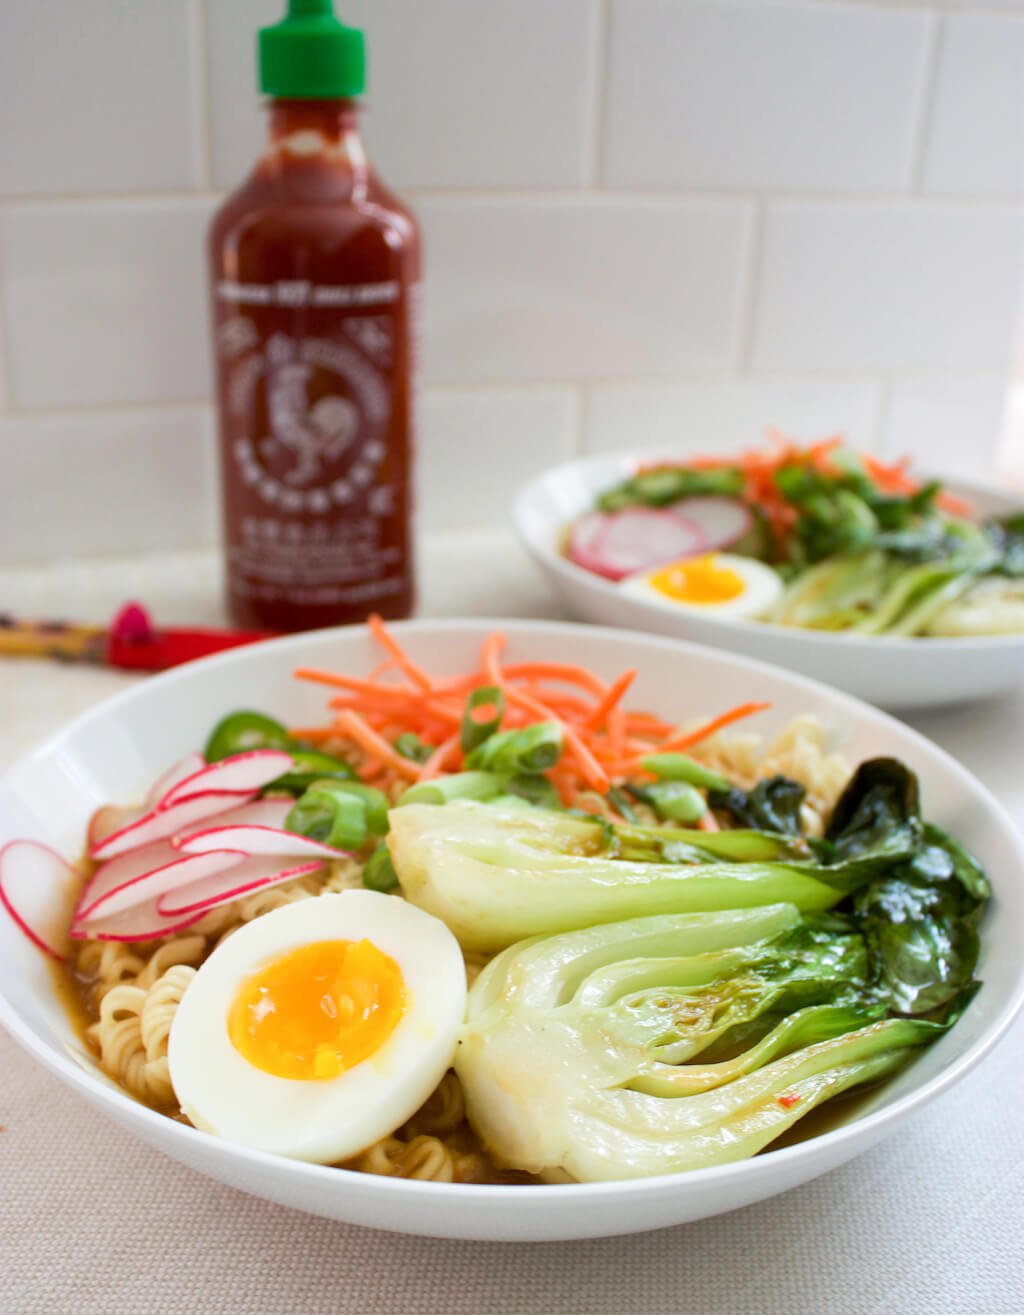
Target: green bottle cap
{"type": "Point", "coordinates": [310, 55]}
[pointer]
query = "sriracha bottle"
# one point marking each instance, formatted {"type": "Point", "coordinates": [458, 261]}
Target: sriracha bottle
{"type": "Point", "coordinates": [314, 272]}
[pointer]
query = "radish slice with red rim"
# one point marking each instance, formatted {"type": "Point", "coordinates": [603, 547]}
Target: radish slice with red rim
{"type": "Point", "coordinates": [260, 812]}
{"type": "Point", "coordinates": [254, 874]}
{"type": "Point", "coordinates": [244, 773]}
{"type": "Point", "coordinates": [141, 922]}
{"type": "Point", "coordinates": [259, 840]}
{"type": "Point", "coordinates": [189, 766]}
{"type": "Point", "coordinates": [119, 871]}
{"type": "Point", "coordinates": [620, 543]}
{"type": "Point", "coordinates": [585, 540]}
{"type": "Point", "coordinates": [153, 882]}
{"type": "Point", "coordinates": [108, 819]}
{"type": "Point", "coordinates": [721, 522]}
{"type": "Point", "coordinates": [35, 884]}
{"type": "Point", "coordinates": [164, 821]}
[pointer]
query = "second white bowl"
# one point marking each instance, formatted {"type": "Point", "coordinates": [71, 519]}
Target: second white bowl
{"type": "Point", "coordinates": [890, 671]}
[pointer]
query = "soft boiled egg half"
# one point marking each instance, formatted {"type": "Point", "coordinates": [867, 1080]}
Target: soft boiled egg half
{"type": "Point", "coordinates": [319, 1028]}
{"type": "Point", "coordinates": [722, 584]}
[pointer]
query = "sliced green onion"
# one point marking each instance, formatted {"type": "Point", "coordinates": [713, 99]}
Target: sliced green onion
{"type": "Point", "coordinates": [475, 730]}
{"type": "Point", "coordinates": [617, 799]}
{"type": "Point", "coordinates": [241, 732]}
{"type": "Point", "coordinates": [533, 749]}
{"type": "Point", "coordinates": [379, 872]}
{"type": "Point", "coordinates": [375, 802]}
{"type": "Point", "coordinates": [677, 767]}
{"type": "Point", "coordinates": [410, 746]}
{"type": "Point", "coordinates": [510, 802]}
{"type": "Point", "coordinates": [534, 788]}
{"type": "Point", "coordinates": [334, 819]}
{"type": "Point", "coordinates": [461, 785]}
{"type": "Point", "coordinates": [311, 766]}
{"type": "Point", "coordinates": [673, 801]}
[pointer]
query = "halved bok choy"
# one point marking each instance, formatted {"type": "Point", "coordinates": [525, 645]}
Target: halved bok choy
{"type": "Point", "coordinates": [674, 1042]}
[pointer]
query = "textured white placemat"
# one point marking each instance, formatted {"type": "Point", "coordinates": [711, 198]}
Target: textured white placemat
{"type": "Point", "coordinates": [93, 1222]}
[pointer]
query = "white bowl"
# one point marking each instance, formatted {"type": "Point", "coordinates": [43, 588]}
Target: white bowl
{"type": "Point", "coordinates": [891, 671]}
{"type": "Point", "coordinates": [114, 751]}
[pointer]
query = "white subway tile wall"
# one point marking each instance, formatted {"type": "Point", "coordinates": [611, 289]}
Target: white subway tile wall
{"type": "Point", "coordinates": [106, 302]}
{"type": "Point", "coordinates": [719, 416]}
{"type": "Point", "coordinates": [97, 97]}
{"type": "Point", "coordinates": [482, 445]}
{"type": "Point", "coordinates": [663, 224]}
{"type": "Point", "coordinates": [581, 289]}
{"type": "Point", "coordinates": [461, 93]}
{"type": "Point", "coordinates": [944, 423]}
{"type": "Point", "coordinates": [888, 286]}
{"type": "Point", "coordinates": [978, 121]}
{"type": "Point", "coordinates": [753, 95]}
{"type": "Point", "coordinates": [119, 482]}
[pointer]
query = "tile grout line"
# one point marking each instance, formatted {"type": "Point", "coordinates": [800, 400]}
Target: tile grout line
{"type": "Point", "coordinates": [598, 96]}
{"type": "Point", "coordinates": [576, 387]}
{"type": "Point", "coordinates": [203, 123]}
{"type": "Point", "coordinates": [92, 410]}
{"type": "Point", "coordinates": [581, 401]}
{"type": "Point", "coordinates": [7, 406]}
{"type": "Point", "coordinates": [883, 414]}
{"type": "Point", "coordinates": [922, 130]}
{"type": "Point", "coordinates": [583, 197]}
{"type": "Point", "coordinates": [753, 265]}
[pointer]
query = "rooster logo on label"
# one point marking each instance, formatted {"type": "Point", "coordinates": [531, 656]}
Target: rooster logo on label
{"type": "Point", "coordinates": [323, 409]}
{"type": "Point", "coordinates": [311, 434]}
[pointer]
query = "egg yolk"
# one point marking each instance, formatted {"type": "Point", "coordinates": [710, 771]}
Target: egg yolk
{"type": "Point", "coordinates": [697, 580]}
{"type": "Point", "coordinates": [318, 1010]}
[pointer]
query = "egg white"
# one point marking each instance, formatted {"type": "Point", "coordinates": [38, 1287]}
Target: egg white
{"type": "Point", "coordinates": [762, 588]}
{"type": "Point", "coordinates": [334, 1119]}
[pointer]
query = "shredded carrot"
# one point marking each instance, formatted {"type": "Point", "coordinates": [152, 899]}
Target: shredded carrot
{"type": "Point", "coordinates": [603, 740]}
{"type": "Point", "coordinates": [387, 641]}
{"type": "Point", "coordinates": [567, 672]}
{"type": "Point", "coordinates": [353, 683]}
{"type": "Point", "coordinates": [438, 760]}
{"type": "Point", "coordinates": [590, 769]}
{"type": "Point", "coordinates": [315, 734]}
{"type": "Point", "coordinates": [610, 700]}
{"type": "Point", "coordinates": [686, 739]}
{"type": "Point", "coordinates": [953, 505]}
{"type": "Point", "coordinates": [357, 729]}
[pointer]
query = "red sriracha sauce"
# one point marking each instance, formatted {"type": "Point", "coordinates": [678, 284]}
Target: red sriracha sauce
{"type": "Point", "coordinates": [314, 268]}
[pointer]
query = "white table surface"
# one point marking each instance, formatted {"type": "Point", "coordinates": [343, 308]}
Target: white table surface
{"type": "Point", "coordinates": [94, 1221]}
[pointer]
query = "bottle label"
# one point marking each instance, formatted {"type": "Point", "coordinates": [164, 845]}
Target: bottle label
{"type": "Point", "coordinates": [317, 442]}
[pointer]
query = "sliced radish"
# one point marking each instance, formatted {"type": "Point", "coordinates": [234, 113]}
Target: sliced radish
{"type": "Point", "coordinates": [34, 885]}
{"type": "Point", "coordinates": [259, 840]}
{"type": "Point", "coordinates": [620, 543]}
{"type": "Point", "coordinates": [164, 821]}
{"type": "Point", "coordinates": [110, 818]}
{"type": "Point", "coordinates": [223, 887]}
{"type": "Point", "coordinates": [244, 773]}
{"type": "Point", "coordinates": [188, 767]}
{"type": "Point", "coordinates": [180, 872]}
{"type": "Point", "coordinates": [107, 819]}
{"type": "Point", "coordinates": [720, 521]}
{"type": "Point", "coordinates": [141, 922]}
{"type": "Point", "coordinates": [119, 871]}
{"type": "Point", "coordinates": [260, 812]}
